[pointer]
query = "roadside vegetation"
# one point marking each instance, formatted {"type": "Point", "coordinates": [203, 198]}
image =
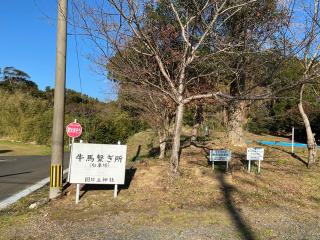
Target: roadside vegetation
{"type": "Point", "coordinates": [26, 113]}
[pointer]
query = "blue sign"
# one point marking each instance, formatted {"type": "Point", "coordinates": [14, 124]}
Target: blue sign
{"type": "Point", "coordinates": [220, 155]}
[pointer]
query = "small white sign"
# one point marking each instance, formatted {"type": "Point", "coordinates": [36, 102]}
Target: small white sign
{"type": "Point", "coordinates": [220, 155]}
{"type": "Point", "coordinates": [255, 154]}
{"type": "Point", "coordinates": [97, 163]}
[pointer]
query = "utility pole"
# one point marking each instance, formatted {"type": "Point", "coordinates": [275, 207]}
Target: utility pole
{"type": "Point", "coordinates": [56, 167]}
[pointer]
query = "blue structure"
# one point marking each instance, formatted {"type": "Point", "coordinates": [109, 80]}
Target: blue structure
{"type": "Point", "coordinates": [282, 144]}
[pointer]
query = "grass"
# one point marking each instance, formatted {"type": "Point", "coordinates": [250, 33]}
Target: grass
{"type": "Point", "coordinates": [8, 148]}
{"type": "Point", "coordinates": [234, 205]}
{"type": "Point", "coordinates": [140, 145]}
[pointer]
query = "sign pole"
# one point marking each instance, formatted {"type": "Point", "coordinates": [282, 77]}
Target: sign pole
{"type": "Point", "coordinates": [227, 165]}
{"type": "Point", "coordinates": [115, 192]}
{"type": "Point", "coordinates": [292, 144]}
{"type": "Point", "coordinates": [211, 160]}
{"type": "Point", "coordinates": [249, 166]}
{"type": "Point", "coordinates": [77, 193]}
{"type": "Point", "coordinates": [259, 166]}
{"type": "Point", "coordinates": [72, 142]}
{"type": "Point", "coordinates": [78, 186]}
{"type": "Point", "coordinates": [59, 102]}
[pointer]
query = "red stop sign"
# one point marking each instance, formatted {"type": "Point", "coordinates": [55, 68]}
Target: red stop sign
{"type": "Point", "coordinates": [74, 130]}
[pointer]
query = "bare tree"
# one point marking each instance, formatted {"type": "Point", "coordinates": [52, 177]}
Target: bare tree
{"type": "Point", "coordinates": [304, 34]}
{"type": "Point", "coordinates": [184, 35]}
{"type": "Point", "coordinates": [176, 48]}
{"type": "Point", "coordinates": [152, 107]}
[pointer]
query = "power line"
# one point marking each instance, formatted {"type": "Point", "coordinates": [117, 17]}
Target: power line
{"type": "Point", "coordinates": [79, 70]}
{"type": "Point", "coordinates": [77, 51]}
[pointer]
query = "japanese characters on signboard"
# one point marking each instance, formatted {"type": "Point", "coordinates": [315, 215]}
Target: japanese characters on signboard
{"type": "Point", "coordinates": [97, 163]}
{"type": "Point", "coordinates": [220, 155]}
{"type": "Point", "coordinates": [255, 154]}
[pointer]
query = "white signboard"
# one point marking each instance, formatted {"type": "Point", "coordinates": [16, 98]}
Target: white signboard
{"type": "Point", "coordinates": [255, 154]}
{"type": "Point", "coordinates": [97, 163]}
{"type": "Point", "coordinates": [220, 155]}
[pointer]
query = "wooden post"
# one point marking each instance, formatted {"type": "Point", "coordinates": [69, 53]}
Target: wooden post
{"type": "Point", "coordinates": [249, 166]}
{"type": "Point", "coordinates": [259, 166]}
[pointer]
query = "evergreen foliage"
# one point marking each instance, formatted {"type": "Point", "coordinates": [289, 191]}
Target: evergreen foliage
{"type": "Point", "coordinates": [26, 114]}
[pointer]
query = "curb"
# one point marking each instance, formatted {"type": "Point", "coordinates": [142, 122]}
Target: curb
{"type": "Point", "coordinates": [14, 198]}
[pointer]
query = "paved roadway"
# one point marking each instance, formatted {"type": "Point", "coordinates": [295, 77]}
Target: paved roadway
{"type": "Point", "coordinates": [20, 172]}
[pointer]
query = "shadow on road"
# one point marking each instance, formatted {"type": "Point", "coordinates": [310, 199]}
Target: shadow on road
{"type": "Point", "coordinates": [129, 176]}
{"type": "Point", "coordinates": [5, 151]}
{"type": "Point", "coordinates": [238, 220]}
{"type": "Point", "coordinates": [14, 174]}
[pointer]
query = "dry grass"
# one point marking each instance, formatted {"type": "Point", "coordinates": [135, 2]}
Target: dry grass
{"type": "Point", "coordinates": [10, 148]}
{"type": "Point", "coordinates": [282, 202]}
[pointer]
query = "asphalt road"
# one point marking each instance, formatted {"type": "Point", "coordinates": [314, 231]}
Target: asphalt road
{"type": "Point", "coordinates": [19, 172]}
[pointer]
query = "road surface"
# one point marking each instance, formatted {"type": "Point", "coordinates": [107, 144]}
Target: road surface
{"type": "Point", "coordinates": [20, 172]}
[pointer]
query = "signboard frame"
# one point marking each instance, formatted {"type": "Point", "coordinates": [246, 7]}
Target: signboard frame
{"type": "Point", "coordinates": [226, 157]}
{"type": "Point", "coordinates": [257, 157]}
{"type": "Point", "coordinates": [114, 155]}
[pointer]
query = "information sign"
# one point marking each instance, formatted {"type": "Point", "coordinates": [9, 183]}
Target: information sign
{"type": "Point", "coordinates": [220, 155]}
{"type": "Point", "coordinates": [255, 154]}
{"type": "Point", "coordinates": [97, 163]}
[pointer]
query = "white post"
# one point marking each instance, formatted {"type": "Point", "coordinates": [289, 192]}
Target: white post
{"type": "Point", "coordinates": [259, 166]}
{"type": "Point", "coordinates": [78, 185]}
{"type": "Point", "coordinates": [72, 142]}
{"type": "Point", "coordinates": [292, 144]}
{"type": "Point", "coordinates": [249, 166]}
{"type": "Point", "coordinates": [115, 192]}
{"type": "Point", "coordinates": [211, 160]}
{"type": "Point", "coordinates": [77, 193]}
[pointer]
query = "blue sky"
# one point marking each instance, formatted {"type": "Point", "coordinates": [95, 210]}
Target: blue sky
{"type": "Point", "coordinates": [28, 43]}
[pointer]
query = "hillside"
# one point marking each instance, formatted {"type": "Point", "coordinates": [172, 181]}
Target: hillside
{"type": "Point", "coordinates": [26, 115]}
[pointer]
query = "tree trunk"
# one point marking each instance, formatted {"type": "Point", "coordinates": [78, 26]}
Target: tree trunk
{"type": "Point", "coordinates": [236, 109]}
{"type": "Point", "coordinates": [163, 143]}
{"type": "Point", "coordinates": [236, 116]}
{"type": "Point", "coordinates": [311, 142]}
{"type": "Point", "coordinates": [175, 155]}
{"type": "Point", "coordinates": [195, 129]}
{"type": "Point", "coordinates": [198, 119]}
